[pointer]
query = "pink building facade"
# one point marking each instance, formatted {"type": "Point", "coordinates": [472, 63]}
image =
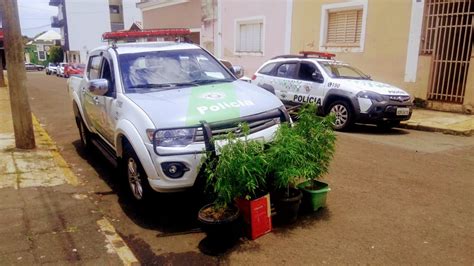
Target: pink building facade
{"type": "Point", "coordinates": [247, 32]}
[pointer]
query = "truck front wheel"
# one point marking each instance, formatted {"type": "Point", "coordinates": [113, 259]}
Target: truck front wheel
{"type": "Point", "coordinates": [343, 113]}
{"type": "Point", "coordinates": [135, 175]}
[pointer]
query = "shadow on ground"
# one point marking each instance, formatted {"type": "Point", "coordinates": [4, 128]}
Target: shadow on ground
{"type": "Point", "coordinates": [177, 217]}
{"type": "Point", "coordinates": [372, 129]}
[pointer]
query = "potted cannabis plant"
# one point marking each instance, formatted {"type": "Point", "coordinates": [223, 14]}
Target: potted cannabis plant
{"type": "Point", "coordinates": [320, 145]}
{"type": "Point", "coordinates": [239, 171]}
{"type": "Point", "coordinates": [302, 151]}
{"type": "Point", "coordinates": [287, 157]}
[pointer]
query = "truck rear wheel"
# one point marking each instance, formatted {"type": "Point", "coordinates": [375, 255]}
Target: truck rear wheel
{"type": "Point", "coordinates": [135, 175]}
{"type": "Point", "coordinates": [84, 133]}
{"type": "Point", "coordinates": [344, 115]}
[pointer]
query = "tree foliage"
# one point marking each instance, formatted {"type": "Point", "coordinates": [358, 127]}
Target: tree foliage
{"type": "Point", "coordinates": [56, 54]}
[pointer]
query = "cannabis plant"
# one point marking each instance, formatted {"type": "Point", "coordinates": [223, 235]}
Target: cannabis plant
{"type": "Point", "coordinates": [303, 150]}
{"type": "Point", "coordinates": [238, 171]}
{"type": "Point", "coordinates": [320, 140]}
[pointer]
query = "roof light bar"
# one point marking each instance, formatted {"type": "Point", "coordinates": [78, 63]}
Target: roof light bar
{"type": "Point", "coordinates": [120, 35]}
{"type": "Point", "coordinates": [317, 54]}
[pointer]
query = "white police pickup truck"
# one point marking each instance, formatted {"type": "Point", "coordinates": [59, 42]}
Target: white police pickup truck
{"type": "Point", "coordinates": [155, 108]}
{"type": "Point", "coordinates": [335, 87]}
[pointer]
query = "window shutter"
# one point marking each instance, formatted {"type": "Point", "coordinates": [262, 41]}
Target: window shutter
{"type": "Point", "coordinates": [250, 37]}
{"type": "Point", "coordinates": [344, 28]}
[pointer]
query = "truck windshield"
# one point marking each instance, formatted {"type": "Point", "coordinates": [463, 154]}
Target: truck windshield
{"type": "Point", "coordinates": [342, 71]}
{"type": "Point", "coordinates": [159, 70]}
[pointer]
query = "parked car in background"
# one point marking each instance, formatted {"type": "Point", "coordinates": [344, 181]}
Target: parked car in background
{"type": "Point", "coordinates": [335, 87]}
{"type": "Point", "coordinates": [31, 66]}
{"type": "Point", "coordinates": [74, 70]}
{"type": "Point", "coordinates": [60, 70]}
{"type": "Point", "coordinates": [51, 69]}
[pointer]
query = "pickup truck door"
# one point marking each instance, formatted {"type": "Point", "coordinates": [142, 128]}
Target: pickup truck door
{"type": "Point", "coordinates": [312, 85]}
{"type": "Point", "coordinates": [90, 100]}
{"type": "Point", "coordinates": [107, 104]}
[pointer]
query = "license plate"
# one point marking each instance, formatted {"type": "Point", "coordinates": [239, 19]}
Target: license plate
{"type": "Point", "coordinates": [403, 111]}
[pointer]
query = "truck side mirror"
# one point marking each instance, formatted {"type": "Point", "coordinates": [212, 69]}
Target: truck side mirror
{"type": "Point", "coordinates": [238, 71]}
{"type": "Point", "coordinates": [98, 87]}
{"type": "Point", "coordinates": [317, 77]}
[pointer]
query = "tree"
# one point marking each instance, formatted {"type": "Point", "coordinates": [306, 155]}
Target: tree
{"type": "Point", "coordinates": [56, 54]}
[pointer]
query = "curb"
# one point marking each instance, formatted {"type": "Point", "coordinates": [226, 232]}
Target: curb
{"type": "Point", "coordinates": [108, 230]}
{"type": "Point", "coordinates": [117, 243]}
{"type": "Point", "coordinates": [417, 126]}
{"type": "Point", "coordinates": [71, 178]}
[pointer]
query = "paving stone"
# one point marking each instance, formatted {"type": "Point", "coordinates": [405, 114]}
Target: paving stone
{"type": "Point", "coordinates": [42, 217]}
{"type": "Point", "coordinates": [8, 181]}
{"type": "Point", "coordinates": [17, 258]}
{"type": "Point", "coordinates": [42, 178]}
{"type": "Point", "coordinates": [12, 221]}
{"type": "Point", "coordinates": [111, 259]}
{"type": "Point", "coordinates": [10, 198]}
{"type": "Point", "coordinates": [89, 243]}
{"type": "Point", "coordinates": [53, 248]}
{"type": "Point", "coordinates": [14, 242]}
{"type": "Point", "coordinates": [7, 166]}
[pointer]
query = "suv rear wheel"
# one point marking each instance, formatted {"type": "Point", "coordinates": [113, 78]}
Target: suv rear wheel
{"type": "Point", "coordinates": [343, 113]}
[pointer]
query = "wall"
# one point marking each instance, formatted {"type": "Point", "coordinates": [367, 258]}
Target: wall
{"type": "Point", "coordinates": [274, 14]}
{"type": "Point", "coordinates": [386, 39]}
{"type": "Point", "coordinates": [85, 28]}
{"type": "Point", "coordinates": [469, 95]}
{"type": "Point", "coordinates": [184, 15]}
{"type": "Point", "coordinates": [131, 13]}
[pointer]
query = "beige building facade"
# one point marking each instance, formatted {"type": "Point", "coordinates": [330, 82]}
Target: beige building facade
{"type": "Point", "coordinates": [162, 14]}
{"type": "Point", "coordinates": [423, 46]}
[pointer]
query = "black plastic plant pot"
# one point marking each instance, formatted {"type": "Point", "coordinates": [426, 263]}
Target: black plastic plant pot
{"type": "Point", "coordinates": [221, 232]}
{"type": "Point", "coordinates": [287, 207]}
{"type": "Point", "coordinates": [314, 195]}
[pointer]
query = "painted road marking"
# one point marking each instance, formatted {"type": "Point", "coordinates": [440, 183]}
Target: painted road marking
{"type": "Point", "coordinates": [117, 243]}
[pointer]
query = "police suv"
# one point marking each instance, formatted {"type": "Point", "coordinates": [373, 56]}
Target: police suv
{"type": "Point", "coordinates": [156, 109]}
{"type": "Point", "coordinates": [335, 87]}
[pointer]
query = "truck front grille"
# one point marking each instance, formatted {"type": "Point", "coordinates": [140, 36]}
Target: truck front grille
{"type": "Point", "coordinates": [400, 98]}
{"type": "Point", "coordinates": [223, 130]}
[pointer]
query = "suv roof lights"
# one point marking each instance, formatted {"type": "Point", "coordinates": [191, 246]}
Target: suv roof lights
{"type": "Point", "coordinates": [308, 54]}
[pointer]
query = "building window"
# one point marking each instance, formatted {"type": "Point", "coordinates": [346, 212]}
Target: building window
{"type": "Point", "coordinates": [343, 26]}
{"type": "Point", "coordinates": [114, 9]}
{"type": "Point", "coordinates": [249, 36]}
{"type": "Point", "coordinates": [41, 55]}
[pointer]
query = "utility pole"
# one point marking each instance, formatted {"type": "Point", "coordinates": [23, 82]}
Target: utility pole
{"type": "Point", "coordinates": [13, 43]}
{"type": "Point", "coordinates": [2, 79]}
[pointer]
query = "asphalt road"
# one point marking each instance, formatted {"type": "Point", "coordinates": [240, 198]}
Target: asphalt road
{"type": "Point", "coordinates": [398, 197]}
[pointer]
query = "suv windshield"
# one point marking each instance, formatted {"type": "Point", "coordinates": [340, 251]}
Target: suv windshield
{"type": "Point", "coordinates": [342, 71]}
{"type": "Point", "coordinates": [149, 71]}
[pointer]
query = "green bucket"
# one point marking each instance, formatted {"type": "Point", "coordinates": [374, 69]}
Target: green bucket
{"type": "Point", "coordinates": [314, 199]}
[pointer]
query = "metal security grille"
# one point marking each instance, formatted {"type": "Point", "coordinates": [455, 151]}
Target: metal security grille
{"type": "Point", "coordinates": [448, 37]}
{"type": "Point", "coordinates": [344, 28]}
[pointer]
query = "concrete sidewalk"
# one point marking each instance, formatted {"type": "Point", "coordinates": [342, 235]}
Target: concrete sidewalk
{"type": "Point", "coordinates": [437, 121]}
{"type": "Point", "coordinates": [47, 216]}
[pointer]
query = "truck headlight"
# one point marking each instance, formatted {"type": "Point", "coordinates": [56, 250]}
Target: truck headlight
{"type": "Point", "coordinates": [172, 137]}
{"type": "Point", "coordinates": [371, 95]}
